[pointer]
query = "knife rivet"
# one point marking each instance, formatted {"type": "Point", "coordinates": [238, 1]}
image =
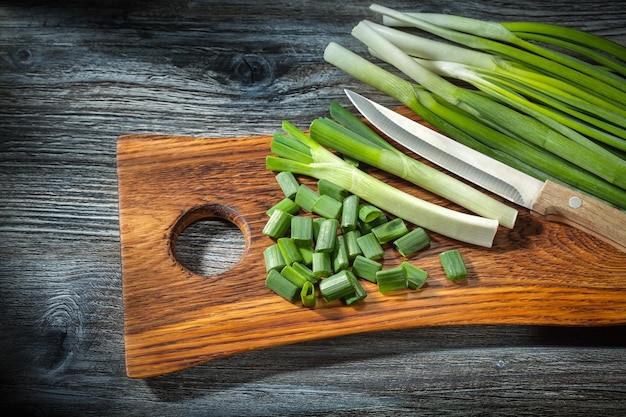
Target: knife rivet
{"type": "Point", "coordinates": [575, 202]}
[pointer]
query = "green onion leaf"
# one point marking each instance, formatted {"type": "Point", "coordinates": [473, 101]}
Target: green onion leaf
{"type": "Point", "coordinates": [352, 244]}
{"type": "Point", "coordinates": [287, 183]}
{"type": "Point", "coordinates": [305, 271]}
{"type": "Point", "coordinates": [293, 275]}
{"type": "Point", "coordinates": [369, 213]}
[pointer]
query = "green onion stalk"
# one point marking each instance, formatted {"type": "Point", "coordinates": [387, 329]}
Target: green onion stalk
{"type": "Point", "coordinates": [300, 154]}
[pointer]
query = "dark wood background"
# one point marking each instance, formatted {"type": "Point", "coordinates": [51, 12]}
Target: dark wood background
{"type": "Point", "coordinates": [76, 75]}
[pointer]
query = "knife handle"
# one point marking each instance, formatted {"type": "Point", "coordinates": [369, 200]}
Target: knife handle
{"type": "Point", "coordinates": [558, 203]}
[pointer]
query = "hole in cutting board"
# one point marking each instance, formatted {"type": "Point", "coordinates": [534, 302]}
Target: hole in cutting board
{"type": "Point", "coordinates": [210, 239]}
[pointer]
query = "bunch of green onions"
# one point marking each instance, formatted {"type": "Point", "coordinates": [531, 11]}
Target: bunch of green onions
{"type": "Point", "coordinates": [553, 115]}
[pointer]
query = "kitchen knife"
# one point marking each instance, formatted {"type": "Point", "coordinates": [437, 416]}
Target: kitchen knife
{"type": "Point", "coordinates": [548, 199]}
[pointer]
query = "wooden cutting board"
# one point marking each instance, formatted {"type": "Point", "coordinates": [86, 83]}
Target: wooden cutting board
{"type": "Point", "coordinates": [539, 273]}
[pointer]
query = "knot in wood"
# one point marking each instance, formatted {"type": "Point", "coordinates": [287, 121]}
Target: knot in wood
{"type": "Point", "coordinates": [251, 71]}
{"type": "Point", "coordinates": [62, 326]}
{"type": "Point", "coordinates": [22, 58]}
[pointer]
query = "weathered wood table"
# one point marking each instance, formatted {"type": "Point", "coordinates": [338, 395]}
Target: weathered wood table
{"type": "Point", "coordinates": [74, 77]}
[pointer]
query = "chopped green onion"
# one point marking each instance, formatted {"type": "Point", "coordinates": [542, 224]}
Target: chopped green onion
{"type": "Point", "coordinates": [305, 271]}
{"type": "Point", "coordinates": [302, 229]}
{"type": "Point", "coordinates": [341, 260]}
{"type": "Point", "coordinates": [286, 204]}
{"type": "Point", "coordinates": [366, 227]}
{"type": "Point", "coordinates": [351, 243]}
{"type": "Point", "coordinates": [366, 268]}
{"type": "Point", "coordinates": [357, 295]}
{"type": "Point", "coordinates": [415, 277]}
{"type": "Point", "coordinates": [287, 183]}
{"type": "Point", "coordinates": [316, 227]}
{"type": "Point", "coordinates": [273, 258]}
{"type": "Point", "coordinates": [327, 207]}
{"type": "Point", "coordinates": [416, 240]}
{"type": "Point", "coordinates": [322, 266]}
{"type": "Point", "coordinates": [336, 286]}
{"type": "Point", "coordinates": [370, 246]}
{"type": "Point", "coordinates": [327, 235]}
{"type": "Point", "coordinates": [390, 230]}
{"type": "Point", "coordinates": [391, 279]}
{"type": "Point", "coordinates": [306, 251]}
{"type": "Point", "coordinates": [278, 224]}
{"type": "Point", "coordinates": [289, 250]}
{"type": "Point", "coordinates": [350, 213]}
{"type": "Point", "coordinates": [306, 197]}
{"type": "Point", "coordinates": [276, 282]}
{"type": "Point", "coordinates": [294, 276]}
{"type": "Point", "coordinates": [325, 187]}
{"type": "Point", "coordinates": [453, 264]}
{"type": "Point", "coordinates": [307, 295]}
{"type": "Point", "coordinates": [369, 213]}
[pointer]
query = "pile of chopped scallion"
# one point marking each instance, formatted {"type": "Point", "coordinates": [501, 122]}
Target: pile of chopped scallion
{"type": "Point", "coordinates": [329, 238]}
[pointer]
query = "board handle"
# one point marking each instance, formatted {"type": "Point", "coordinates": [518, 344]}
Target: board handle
{"type": "Point", "coordinates": [561, 204]}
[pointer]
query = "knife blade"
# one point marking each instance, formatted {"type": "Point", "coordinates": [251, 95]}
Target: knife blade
{"type": "Point", "coordinates": [548, 199]}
